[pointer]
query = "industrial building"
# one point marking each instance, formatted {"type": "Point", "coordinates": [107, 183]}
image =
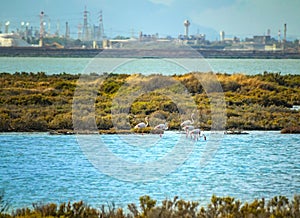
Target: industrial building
{"type": "Point", "coordinates": [12, 40]}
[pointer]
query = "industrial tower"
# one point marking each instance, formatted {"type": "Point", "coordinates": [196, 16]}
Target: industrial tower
{"type": "Point", "coordinates": [85, 31]}
{"type": "Point", "coordinates": [222, 36]}
{"type": "Point", "coordinates": [67, 34]}
{"type": "Point", "coordinates": [284, 36]}
{"type": "Point", "coordinates": [79, 31]}
{"type": "Point", "coordinates": [100, 33]}
{"type": "Point", "coordinates": [42, 31]}
{"type": "Point", "coordinates": [186, 24]}
{"type": "Point", "coordinates": [6, 26]}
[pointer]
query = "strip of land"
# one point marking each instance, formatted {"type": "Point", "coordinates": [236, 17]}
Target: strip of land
{"type": "Point", "coordinates": [41, 102]}
{"type": "Point", "coordinates": [140, 53]}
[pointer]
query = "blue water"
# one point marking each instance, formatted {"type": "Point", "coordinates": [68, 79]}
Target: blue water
{"type": "Point", "coordinates": [38, 167]}
{"type": "Point", "coordinates": [82, 65]}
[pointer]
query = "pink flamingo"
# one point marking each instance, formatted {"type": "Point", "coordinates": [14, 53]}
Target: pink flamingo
{"type": "Point", "coordinates": [142, 125]}
{"type": "Point", "coordinates": [187, 129]}
{"type": "Point", "coordinates": [187, 122]}
{"type": "Point", "coordinates": [195, 133]}
{"type": "Point", "coordinates": [162, 127]}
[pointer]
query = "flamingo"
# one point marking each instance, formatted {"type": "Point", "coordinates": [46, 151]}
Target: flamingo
{"type": "Point", "coordinates": [162, 127]}
{"type": "Point", "coordinates": [187, 122]}
{"type": "Point", "coordinates": [196, 133]}
{"type": "Point", "coordinates": [142, 125]}
{"type": "Point", "coordinates": [187, 129]}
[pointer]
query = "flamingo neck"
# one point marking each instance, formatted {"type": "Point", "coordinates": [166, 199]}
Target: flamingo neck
{"type": "Point", "coordinates": [192, 117]}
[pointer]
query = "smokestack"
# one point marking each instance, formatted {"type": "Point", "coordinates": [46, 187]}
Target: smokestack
{"type": "Point", "coordinates": [222, 36]}
{"type": "Point", "coordinates": [57, 28]}
{"type": "Point", "coordinates": [67, 31]}
{"type": "Point", "coordinates": [285, 29]}
{"type": "Point", "coordinates": [7, 26]}
{"type": "Point", "coordinates": [41, 43]}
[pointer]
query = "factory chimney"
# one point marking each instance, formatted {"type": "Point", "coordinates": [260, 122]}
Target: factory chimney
{"type": "Point", "coordinates": [7, 26]}
{"type": "Point", "coordinates": [222, 36]}
{"type": "Point", "coordinates": [67, 35]}
{"type": "Point", "coordinates": [41, 43]}
{"type": "Point", "coordinates": [285, 29]}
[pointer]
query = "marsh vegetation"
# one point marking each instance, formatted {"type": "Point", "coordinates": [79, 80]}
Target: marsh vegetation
{"type": "Point", "coordinates": [278, 206]}
{"type": "Point", "coordinates": [41, 102]}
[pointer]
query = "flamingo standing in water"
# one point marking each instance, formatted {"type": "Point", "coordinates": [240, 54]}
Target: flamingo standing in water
{"type": "Point", "coordinates": [195, 133]}
{"type": "Point", "coordinates": [187, 129]}
{"type": "Point", "coordinates": [142, 125]}
{"type": "Point", "coordinates": [187, 122]}
{"type": "Point", "coordinates": [162, 127]}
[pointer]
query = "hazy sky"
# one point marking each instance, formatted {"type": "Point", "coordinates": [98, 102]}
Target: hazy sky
{"type": "Point", "coordinates": [243, 18]}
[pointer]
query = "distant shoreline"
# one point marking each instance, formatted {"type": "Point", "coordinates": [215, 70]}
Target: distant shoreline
{"type": "Point", "coordinates": [144, 53]}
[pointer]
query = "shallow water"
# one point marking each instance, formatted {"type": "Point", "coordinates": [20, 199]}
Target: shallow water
{"type": "Point", "coordinates": [147, 66]}
{"type": "Point", "coordinates": [38, 167]}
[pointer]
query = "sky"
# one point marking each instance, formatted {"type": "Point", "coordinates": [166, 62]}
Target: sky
{"type": "Point", "coordinates": [241, 18]}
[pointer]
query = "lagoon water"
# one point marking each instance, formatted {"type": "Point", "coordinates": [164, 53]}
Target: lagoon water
{"type": "Point", "coordinates": [38, 167]}
{"type": "Point", "coordinates": [80, 65]}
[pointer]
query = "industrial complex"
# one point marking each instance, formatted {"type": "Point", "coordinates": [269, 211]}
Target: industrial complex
{"type": "Point", "coordinates": [92, 37]}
